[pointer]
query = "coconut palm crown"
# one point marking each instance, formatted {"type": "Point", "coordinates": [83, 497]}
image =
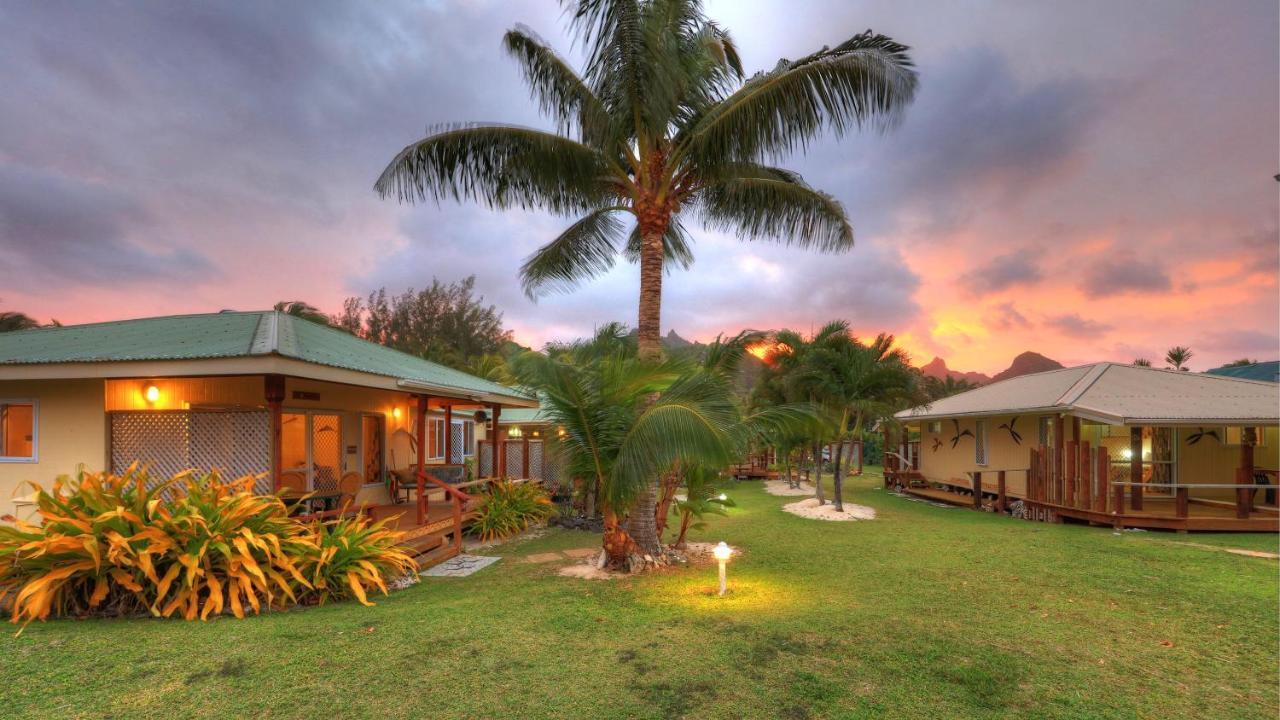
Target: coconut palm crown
{"type": "Point", "coordinates": [661, 124]}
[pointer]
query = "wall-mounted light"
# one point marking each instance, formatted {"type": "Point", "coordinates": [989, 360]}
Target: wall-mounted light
{"type": "Point", "coordinates": [395, 412]}
{"type": "Point", "coordinates": [151, 392]}
{"type": "Point", "coordinates": [560, 432]}
{"type": "Point", "coordinates": [514, 432]}
{"type": "Point", "coordinates": [1127, 453]}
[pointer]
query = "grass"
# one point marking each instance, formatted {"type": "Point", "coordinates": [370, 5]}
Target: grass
{"type": "Point", "coordinates": [924, 612]}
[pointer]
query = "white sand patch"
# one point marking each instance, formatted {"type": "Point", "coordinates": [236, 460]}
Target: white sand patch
{"type": "Point", "coordinates": [812, 510]}
{"type": "Point", "coordinates": [588, 571]}
{"type": "Point", "coordinates": [781, 488]}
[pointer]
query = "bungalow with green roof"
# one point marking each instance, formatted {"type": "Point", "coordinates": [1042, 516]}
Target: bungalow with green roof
{"type": "Point", "coordinates": [306, 408]}
{"type": "Point", "coordinates": [1104, 443]}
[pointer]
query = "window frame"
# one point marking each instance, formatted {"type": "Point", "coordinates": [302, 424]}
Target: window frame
{"type": "Point", "coordinates": [468, 436]}
{"type": "Point", "coordinates": [435, 437]}
{"type": "Point", "coordinates": [35, 431]}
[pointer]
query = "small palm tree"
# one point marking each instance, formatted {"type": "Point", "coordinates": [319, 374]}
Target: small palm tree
{"type": "Point", "coordinates": [11, 321]}
{"type": "Point", "coordinates": [858, 383]}
{"type": "Point", "coordinates": [1141, 362]}
{"type": "Point", "coordinates": [306, 311]}
{"type": "Point", "coordinates": [1177, 357]}
{"type": "Point", "coordinates": [660, 126]}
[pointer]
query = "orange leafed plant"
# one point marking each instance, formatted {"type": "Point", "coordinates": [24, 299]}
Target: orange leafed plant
{"type": "Point", "coordinates": [191, 546]}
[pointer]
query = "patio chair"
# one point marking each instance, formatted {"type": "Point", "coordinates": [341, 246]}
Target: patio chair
{"type": "Point", "coordinates": [294, 481]}
{"type": "Point", "coordinates": [349, 485]}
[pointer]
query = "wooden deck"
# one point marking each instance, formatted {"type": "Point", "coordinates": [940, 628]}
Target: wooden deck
{"type": "Point", "coordinates": [1158, 512]}
{"type": "Point", "coordinates": [432, 542]}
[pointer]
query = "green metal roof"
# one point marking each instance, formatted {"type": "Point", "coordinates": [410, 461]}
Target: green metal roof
{"type": "Point", "coordinates": [521, 416]}
{"type": "Point", "coordinates": [231, 335]}
{"type": "Point", "coordinates": [1268, 371]}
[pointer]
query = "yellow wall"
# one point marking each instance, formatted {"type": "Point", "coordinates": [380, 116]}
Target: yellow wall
{"type": "Point", "coordinates": [71, 431]}
{"type": "Point", "coordinates": [1003, 453]}
{"type": "Point", "coordinates": [1215, 461]}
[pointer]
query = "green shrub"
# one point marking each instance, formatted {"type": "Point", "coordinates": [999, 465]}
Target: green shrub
{"type": "Point", "coordinates": [508, 508]}
{"type": "Point", "coordinates": [191, 545]}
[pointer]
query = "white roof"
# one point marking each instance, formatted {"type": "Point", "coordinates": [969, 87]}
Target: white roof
{"type": "Point", "coordinates": [1118, 395]}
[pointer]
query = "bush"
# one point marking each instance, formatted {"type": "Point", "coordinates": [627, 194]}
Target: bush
{"type": "Point", "coordinates": [191, 545]}
{"type": "Point", "coordinates": [508, 508]}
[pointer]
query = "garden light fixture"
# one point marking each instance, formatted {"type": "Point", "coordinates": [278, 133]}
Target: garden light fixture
{"type": "Point", "coordinates": [722, 553]}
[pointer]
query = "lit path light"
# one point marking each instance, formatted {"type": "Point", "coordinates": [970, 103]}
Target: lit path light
{"type": "Point", "coordinates": [722, 553]}
{"type": "Point", "coordinates": [722, 497]}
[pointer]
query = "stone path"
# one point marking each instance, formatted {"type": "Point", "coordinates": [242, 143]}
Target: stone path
{"type": "Point", "coordinates": [460, 566]}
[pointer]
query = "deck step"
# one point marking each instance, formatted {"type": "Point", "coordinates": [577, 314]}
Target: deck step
{"type": "Point", "coordinates": [422, 543]}
{"type": "Point", "coordinates": [436, 556]}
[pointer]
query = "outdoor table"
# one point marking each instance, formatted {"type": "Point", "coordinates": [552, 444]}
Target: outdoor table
{"type": "Point", "coordinates": [328, 499]}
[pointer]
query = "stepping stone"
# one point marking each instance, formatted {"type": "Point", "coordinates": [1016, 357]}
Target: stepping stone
{"type": "Point", "coordinates": [459, 566]}
{"type": "Point", "coordinates": [582, 552]}
{"type": "Point", "coordinates": [543, 557]}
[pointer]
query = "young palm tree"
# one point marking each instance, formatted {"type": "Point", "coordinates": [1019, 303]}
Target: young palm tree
{"type": "Point", "coordinates": [1141, 362]}
{"type": "Point", "coordinates": [858, 382]}
{"type": "Point", "coordinates": [659, 126]}
{"type": "Point", "coordinates": [1177, 357]}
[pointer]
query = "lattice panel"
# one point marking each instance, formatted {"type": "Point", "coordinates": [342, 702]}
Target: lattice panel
{"type": "Point", "coordinates": [326, 451]}
{"type": "Point", "coordinates": [160, 441]}
{"type": "Point", "coordinates": [457, 438]}
{"type": "Point", "coordinates": [234, 443]}
{"type": "Point", "coordinates": [535, 460]}
{"type": "Point", "coordinates": [514, 452]}
{"type": "Point", "coordinates": [485, 460]}
{"type": "Point", "coordinates": [551, 474]}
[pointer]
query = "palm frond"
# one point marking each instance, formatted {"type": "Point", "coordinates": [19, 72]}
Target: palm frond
{"type": "Point", "coordinates": [502, 166]}
{"type": "Point", "coordinates": [584, 250]}
{"type": "Point", "coordinates": [560, 92]}
{"type": "Point", "coordinates": [777, 205]}
{"type": "Point", "coordinates": [868, 79]}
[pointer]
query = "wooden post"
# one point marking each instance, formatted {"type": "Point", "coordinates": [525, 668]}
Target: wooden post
{"type": "Point", "coordinates": [1248, 438]}
{"type": "Point", "coordinates": [1002, 501]}
{"type": "Point", "coordinates": [1103, 470]}
{"type": "Point", "coordinates": [457, 523]}
{"type": "Point", "coordinates": [273, 390]}
{"type": "Point", "coordinates": [1181, 502]}
{"type": "Point", "coordinates": [448, 433]}
{"type": "Point", "coordinates": [499, 446]}
{"type": "Point", "coordinates": [1242, 494]}
{"type": "Point", "coordinates": [1059, 462]}
{"type": "Point", "coordinates": [1069, 498]}
{"type": "Point", "coordinates": [524, 464]}
{"type": "Point", "coordinates": [1086, 476]}
{"type": "Point", "coordinates": [421, 431]}
{"type": "Point", "coordinates": [1135, 466]}
{"type": "Point", "coordinates": [976, 475]}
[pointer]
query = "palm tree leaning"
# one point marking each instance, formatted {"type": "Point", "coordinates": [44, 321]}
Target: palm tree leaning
{"type": "Point", "coordinates": [660, 126]}
{"type": "Point", "coordinates": [1177, 357]}
{"type": "Point", "coordinates": [303, 310]}
{"type": "Point", "coordinates": [11, 321]}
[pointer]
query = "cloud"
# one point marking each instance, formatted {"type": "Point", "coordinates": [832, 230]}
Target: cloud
{"type": "Point", "coordinates": [1252, 343]}
{"type": "Point", "coordinates": [1001, 273]}
{"type": "Point", "coordinates": [1005, 316]}
{"type": "Point", "coordinates": [1074, 325]}
{"type": "Point", "coordinates": [61, 230]}
{"type": "Point", "coordinates": [1123, 272]}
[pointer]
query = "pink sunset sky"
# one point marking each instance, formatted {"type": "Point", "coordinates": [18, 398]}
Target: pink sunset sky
{"type": "Point", "coordinates": [1090, 180]}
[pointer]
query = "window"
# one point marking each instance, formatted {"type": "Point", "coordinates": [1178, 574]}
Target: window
{"type": "Point", "coordinates": [980, 442]}
{"type": "Point", "coordinates": [468, 437]}
{"type": "Point", "coordinates": [1234, 436]}
{"type": "Point", "coordinates": [18, 429]}
{"type": "Point", "coordinates": [1046, 431]}
{"type": "Point", "coordinates": [935, 427]}
{"type": "Point", "coordinates": [435, 438]}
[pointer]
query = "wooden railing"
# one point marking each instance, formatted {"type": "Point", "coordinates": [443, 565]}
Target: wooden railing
{"type": "Point", "coordinates": [458, 498]}
{"type": "Point", "coordinates": [1002, 492]}
{"type": "Point", "coordinates": [1076, 476]}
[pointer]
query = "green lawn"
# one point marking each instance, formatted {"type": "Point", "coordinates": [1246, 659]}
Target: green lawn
{"type": "Point", "coordinates": [923, 613]}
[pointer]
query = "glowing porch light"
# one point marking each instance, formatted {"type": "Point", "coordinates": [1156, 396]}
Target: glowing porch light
{"type": "Point", "coordinates": [395, 412]}
{"type": "Point", "coordinates": [722, 553]}
{"type": "Point", "coordinates": [1127, 453]}
{"type": "Point", "coordinates": [151, 393]}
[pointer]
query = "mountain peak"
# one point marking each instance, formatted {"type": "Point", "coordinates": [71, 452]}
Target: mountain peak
{"type": "Point", "coordinates": [937, 368]}
{"type": "Point", "coordinates": [1026, 363]}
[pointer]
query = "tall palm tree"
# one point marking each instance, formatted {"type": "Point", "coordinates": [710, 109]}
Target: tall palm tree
{"type": "Point", "coordinates": [10, 321]}
{"type": "Point", "coordinates": [938, 388]}
{"type": "Point", "coordinates": [660, 125]}
{"type": "Point", "coordinates": [858, 382]}
{"type": "Point", "coordinates": [1177, 357]}
{"type": "Point", "coordinates": [306, 311]}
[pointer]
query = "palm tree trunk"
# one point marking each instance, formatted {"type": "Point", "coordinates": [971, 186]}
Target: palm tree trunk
{"type": "Point", "coordinates": [817, 472]}
{"type": "Point", "coordinates": [649, 332]}
{"type": "Point", "coordinates": [642, 521]}
{"type": "Point", "coordinates": [838, 480]}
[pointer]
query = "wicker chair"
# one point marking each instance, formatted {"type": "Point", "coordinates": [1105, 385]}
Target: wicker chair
{"type": "Point", "coordinates": [349, 485]}
{"type": "Point", "coordinates": [294, 481]}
